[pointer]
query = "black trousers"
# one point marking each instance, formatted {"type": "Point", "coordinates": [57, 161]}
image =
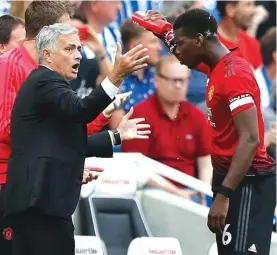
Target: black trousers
{"type": "Point", "coordinates": [249, 221]}
{"type": "Point", "coordinates": [36, 233]}
{"type": "Point", "coordinates": [6, 232]}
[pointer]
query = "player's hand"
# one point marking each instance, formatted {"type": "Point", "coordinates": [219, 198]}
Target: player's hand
{"type": "Point", "coordinates": [218, 213]}
{"type": "Point", "coordinates": [151, 14]}
{"type": "Point", "coordinates": [128, 63]}
{"type": "Point", "coordinates": [260, 16]}
{"type": "Point", "coordinates": [91, 173]}
{"type": "Point", "coordinates": [133, 129]}
{"type": "Point", "coordinates": [120, 99]}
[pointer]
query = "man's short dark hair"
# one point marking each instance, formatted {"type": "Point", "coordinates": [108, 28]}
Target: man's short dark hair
{"type": "Point", "coordinates": [44, 13]}
{"type": "Point", "coordinates": [196, 21]}
{"type": "Point", "coordinates": [7, 24]}
{"type": "Point", "coordinates": [268, 45]}
{"type": "Point", "coordinates": [129, 31]}
{"type": "Point", "coordinates": [221, 6]}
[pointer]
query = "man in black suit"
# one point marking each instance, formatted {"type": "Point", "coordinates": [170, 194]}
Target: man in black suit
{"type": "Point", "coordinates": [49, 141]}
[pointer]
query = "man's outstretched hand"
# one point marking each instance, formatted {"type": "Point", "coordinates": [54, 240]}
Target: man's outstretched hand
{"type": "Point", "coordinates": [91, 173]}
{"type": "Point", "coordinates": [133, 129]}
{"type": "Point", "coordinates": [128, 63]}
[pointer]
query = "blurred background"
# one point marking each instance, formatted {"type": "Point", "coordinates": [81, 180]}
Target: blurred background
{"type": "Point", "coordinates": [172, 170]}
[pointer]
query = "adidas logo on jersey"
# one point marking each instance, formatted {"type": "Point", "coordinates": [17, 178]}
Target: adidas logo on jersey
{"type": "Point", "coordinates": [252, 248]}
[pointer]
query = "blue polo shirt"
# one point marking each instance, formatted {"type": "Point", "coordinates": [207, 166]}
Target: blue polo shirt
{"type": "Point", "coordinates": [142, 89]}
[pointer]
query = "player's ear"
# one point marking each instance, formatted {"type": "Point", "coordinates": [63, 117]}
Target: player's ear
{"type": "Point", "coordinates": [199, 39]}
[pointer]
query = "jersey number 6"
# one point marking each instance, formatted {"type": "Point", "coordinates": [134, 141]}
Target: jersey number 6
{"type": "Point", "coordinates": [226, 236]}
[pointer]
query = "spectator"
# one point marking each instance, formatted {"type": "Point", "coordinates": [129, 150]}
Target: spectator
{"type": "Point", "coordinates": [237, 15]}
{"type": "Point", "coordinates": [173, 9]}
{"type": "Point", "coordinates": [78, 19]}
{"type": "Point", "coordinates": [142, 81]}
{"type": "Point", "coordinates": [5, 6]}
{"type": "Point", "coordinates": [260, 16]}
{"type": "Point", "coordinates": [270, 6]}
{"type": "Point", "coordinates": [129, 7]}
{"type": "Point", "coordinates": [180, 133]}
{"type": "Point", "coordinates": [92, 70]}
{"type": "Point", "coordinates": [12, 32]}
{"type": "Point", "coordinates": [266, 74]}
{"type": "Point", "coordinates": [18, 8]}
{"type": "Point", "coordinates": [102, 16]}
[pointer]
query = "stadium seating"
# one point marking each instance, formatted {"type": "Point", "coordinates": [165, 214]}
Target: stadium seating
{"type": "Point", "coordinates": [111, 212]}
{"type": "Point", "coordinates": [155, 245]}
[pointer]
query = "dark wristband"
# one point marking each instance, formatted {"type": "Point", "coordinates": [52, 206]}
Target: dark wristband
{"type": "Point", "coordinates": [225, 191]}
{"type": "Point", "coordinates": [116, 137]}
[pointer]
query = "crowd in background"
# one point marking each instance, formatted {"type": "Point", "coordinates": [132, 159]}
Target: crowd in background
{"type": "Point", "coordinates": [170, 96]}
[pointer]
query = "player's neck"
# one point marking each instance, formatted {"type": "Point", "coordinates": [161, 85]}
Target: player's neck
{"type": "Point", "coordinates": [228, 30]}
{"type": "Point", "coordinates": [30, 46]}
{"type": "Point", "coordinates": [216, 51]}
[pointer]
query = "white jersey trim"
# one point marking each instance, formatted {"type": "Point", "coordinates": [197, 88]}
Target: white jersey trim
{"type": "Point", "coordinates": [240, 100]}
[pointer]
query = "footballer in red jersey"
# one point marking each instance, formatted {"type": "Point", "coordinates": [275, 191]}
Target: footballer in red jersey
{"type": "Point", "coordinates": [244, 179]}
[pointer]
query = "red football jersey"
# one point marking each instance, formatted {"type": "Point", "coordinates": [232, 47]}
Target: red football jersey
{"type": "Point", "coordinates": [232, 88]}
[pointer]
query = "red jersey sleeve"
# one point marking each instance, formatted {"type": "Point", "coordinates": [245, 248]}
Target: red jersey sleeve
{"type": "Point", "coordinates": [9, 86]}
{"type": "Point", "coordinates": [239, 92]}
{"type": "Point", "coordinates": [96, 125]}
{"type": "Point", "coordinates": [137, 145]}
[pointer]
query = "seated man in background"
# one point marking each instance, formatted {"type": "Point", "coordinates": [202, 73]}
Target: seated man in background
{"type": "Point", "coordinates": [12, 32]}
{"type": "Point", "coordinates": [180, 134]}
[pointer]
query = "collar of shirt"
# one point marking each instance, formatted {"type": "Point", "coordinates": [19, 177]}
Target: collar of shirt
{"type": "Point", "coordinates": [47, 67]}
{"type": "Point", "coordinates": [183, 110]}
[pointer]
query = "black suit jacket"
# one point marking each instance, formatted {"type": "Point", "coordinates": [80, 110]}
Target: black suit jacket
{"type": "Point", "coordinates": [49, 144]}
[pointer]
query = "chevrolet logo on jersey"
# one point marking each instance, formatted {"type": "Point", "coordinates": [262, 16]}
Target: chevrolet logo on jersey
{"type": "Point", "coordinates": [211, 93]}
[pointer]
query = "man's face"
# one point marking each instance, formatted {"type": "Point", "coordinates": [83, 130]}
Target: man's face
{"type": "Point", "coordinates": [107, 11]}
{"type": "Point", "coordinates": [17, 36]}
{"type": "Point", "coordinates": [172, 82]}
{"type": "Point", "coordinates": [153, 44]}
{"type": "Point", "coordinates": [243, 14]}
{"type": "Point", "coordinates": [66, 59]}
{"type": "Point", "coordinates": [188, 49]}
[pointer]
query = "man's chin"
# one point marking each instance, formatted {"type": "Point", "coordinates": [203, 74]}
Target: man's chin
{"type": "Point", "coordinates": [71, 77]}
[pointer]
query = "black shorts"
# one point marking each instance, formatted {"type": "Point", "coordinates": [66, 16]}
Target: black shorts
{"type": "Point", "coordinates": [249, 221]}
{"type": "Point", "coordinates": [5, 229]}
